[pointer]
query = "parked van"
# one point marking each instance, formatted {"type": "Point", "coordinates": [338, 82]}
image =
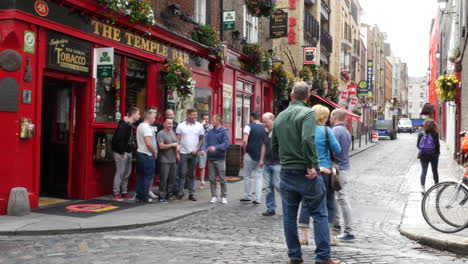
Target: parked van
{"type": "Point", "coordinates": [405, 125]}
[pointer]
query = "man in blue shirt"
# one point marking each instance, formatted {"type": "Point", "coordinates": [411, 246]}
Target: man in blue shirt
{"type": "Point", "coordinates": [254, 137]}
{"type": "Point", "coordinates": [338, 120]}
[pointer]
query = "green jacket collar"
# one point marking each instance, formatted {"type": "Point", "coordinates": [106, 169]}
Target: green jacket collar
{"type": "Point", "coordinates": [298, 103]}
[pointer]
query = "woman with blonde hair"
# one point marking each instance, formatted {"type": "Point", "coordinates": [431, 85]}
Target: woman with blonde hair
{"type": "Point", "coordinates": [325, 143]}
{"type": "Point", "coordinates": [429, 151]}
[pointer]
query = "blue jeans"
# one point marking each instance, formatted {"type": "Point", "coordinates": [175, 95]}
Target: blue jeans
{"type": "Point", "coordinates": [425, 165]}
{"type": "Point", "coordinates": [145, 166]}
{"type": "Point", "coordinates": [250, 166]}
{"type": "Point", "coordinates": [304, 217]}
{"type": "Point", "coordinates": [271, 175]}
{"type": "Point", "coordinates": [295, 187]}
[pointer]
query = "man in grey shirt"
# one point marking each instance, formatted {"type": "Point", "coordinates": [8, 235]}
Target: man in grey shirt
{"type": "Point", "coordinates": [168, 155]}
{"type": "Point", "coordinates": [338, 120]}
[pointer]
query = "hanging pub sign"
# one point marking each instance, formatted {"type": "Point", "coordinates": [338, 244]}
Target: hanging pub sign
{"type": "Point", "coordinates": [370, 75]}
{"type": "Point", "coordinates": [353, 104]}
{"type": "Point", "coordinates": [68, 54]}
{"type": "Point", "coordinates": [229, 20]}
{"type": "Point", "coordinates": [310, 55]}
{"type": "Point", "coordinates": [279, 24]}
{"type": "Point", "coordinates": [352, 89]}
{"type": "Point", "coordinates": [343, 98]}
{"type": "Point", "coordinates": [104, 60]}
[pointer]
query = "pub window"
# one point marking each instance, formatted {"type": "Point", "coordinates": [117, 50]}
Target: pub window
{"type": "Point", "coordinates": [202, 101]}
{"type": "Point", "coordinates": [107, 99]}
{"type": "Point", "coordinates": [200, 11]}
{"type": "Point", "coordinates": [243, 106]}
{"type": "Point", "coordinates": [135, 93]}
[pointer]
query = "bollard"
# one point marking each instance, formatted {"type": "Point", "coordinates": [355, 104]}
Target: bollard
{"type": "Point", "coordinates": [360, 138]}
{"type": "Point", "coordinates": [18, 203]}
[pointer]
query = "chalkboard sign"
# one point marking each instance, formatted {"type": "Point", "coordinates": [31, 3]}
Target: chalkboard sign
{"type": "Point", "coordinates": [68, 54]}
{"type": "Point", "coordinates": [9, 91]}
{"type": "Point", "coordinates": [279, 24]}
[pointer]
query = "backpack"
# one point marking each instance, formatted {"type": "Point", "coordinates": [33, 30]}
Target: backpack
{"type": "Point", "coordinates": [427, 144]}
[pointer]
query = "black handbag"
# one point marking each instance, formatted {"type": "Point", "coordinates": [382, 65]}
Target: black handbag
{"type": "Point", "coordinates": [335, 170]}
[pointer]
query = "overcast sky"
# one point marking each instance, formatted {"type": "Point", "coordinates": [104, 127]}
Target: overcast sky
{"type": "Point", "coordinates": [407, 24]}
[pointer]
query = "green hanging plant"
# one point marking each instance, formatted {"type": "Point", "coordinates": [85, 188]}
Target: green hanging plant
{"type": "Point", "coordinates": [136, 10]}
{"type": "Point", "coordinates": [206, 35]}
{"type": "Point", "coordinates": [257, 61]}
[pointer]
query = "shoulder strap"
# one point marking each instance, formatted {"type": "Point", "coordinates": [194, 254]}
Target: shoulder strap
{"type": "Point", "coordinates": [330, 153]}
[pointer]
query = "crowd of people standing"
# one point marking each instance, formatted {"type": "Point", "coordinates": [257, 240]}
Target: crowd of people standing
{"type": "Point", "coordinates": [292, 154]}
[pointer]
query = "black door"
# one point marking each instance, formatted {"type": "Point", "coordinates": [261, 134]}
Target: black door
{"type": "Point", "coordinates": [55, 143]}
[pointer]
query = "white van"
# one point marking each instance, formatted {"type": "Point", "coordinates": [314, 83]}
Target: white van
{"type": "Point", "coordinates": [405, 125]}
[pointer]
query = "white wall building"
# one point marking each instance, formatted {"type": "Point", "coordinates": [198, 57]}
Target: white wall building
{"type": "Point", "coordinates": [417, 96]}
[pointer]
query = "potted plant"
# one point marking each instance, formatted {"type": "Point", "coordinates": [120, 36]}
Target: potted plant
{"type": "Point", "coordinates": [447, 87]}
{"type": "Point", "coordinates": [260, 8]}
{"type": "Point", "coordinates": [257, 61]}
{"type": "Point", "coordinates": [206, 35]}
{"type": "Point", "coordinates": [136, 10]}
{"type": "Point", "coordinates": [177, 77]}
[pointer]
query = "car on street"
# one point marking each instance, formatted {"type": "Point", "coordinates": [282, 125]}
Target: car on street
{"type": "Point", "coordinates": [405, 125]}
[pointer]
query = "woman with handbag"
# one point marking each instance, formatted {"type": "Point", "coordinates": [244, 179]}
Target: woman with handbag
{"type": "Point", "coordinates": [325, 143]}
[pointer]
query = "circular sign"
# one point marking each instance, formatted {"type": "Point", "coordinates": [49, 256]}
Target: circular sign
{"type": "Point", "coordinates": [10, 60]}
{"type": "Point", "coordinates": [41, 8]}
{"type": "Point", "coordinates": [363, 84]}
{"type": "Point", "coordinates": [29, 38]}
{"type": "Point", "coordinates": [370, 63]}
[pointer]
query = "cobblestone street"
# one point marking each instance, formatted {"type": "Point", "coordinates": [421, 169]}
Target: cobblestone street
{"type": "Point", "coordinates": [237, 233]}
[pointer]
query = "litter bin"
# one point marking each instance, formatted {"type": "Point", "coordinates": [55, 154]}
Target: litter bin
{"type": "Point", "coordinates": [374, 136]}
{"type": "Point", "coordinates": [233, 160]}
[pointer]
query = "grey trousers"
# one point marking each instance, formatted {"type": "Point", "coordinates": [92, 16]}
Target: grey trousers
{"type": "Point", "coordinates": [167, 178]}
{"type": "Point", "coordinates": [123, 167]}
{"type": "Point", "coordinates": [343, 203]}
{"type": "Point", "coordinates": [217, 168]}
{"type": "Point", "coordinates": [187, 174]}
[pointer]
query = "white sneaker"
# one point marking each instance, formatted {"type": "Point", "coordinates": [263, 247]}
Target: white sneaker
{"type": "Point", "coordinates": [152, 195]}
{"type": "Point", "coordinates": [213, 200]}
{"type": "Point", "coordinates": [223, 200]}
{"type": "Point", "coordinates": [423, 189]}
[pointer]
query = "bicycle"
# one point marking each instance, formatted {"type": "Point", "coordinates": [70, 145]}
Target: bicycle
{"type": "Point", "coordinates": [445, 205]}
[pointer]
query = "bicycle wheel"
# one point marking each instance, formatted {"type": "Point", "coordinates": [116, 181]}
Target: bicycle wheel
{"type": "Point", "coordinates": [452, 205]}
{"type": "Point", "coordinates": [442, 208]}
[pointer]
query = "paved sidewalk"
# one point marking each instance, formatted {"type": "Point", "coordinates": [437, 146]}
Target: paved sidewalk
{"type": "Point", "coordinates": [413, 224]}
{"type": "Point", "coordinates": [140, 216]}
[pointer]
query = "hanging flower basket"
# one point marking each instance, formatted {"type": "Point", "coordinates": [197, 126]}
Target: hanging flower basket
{"type": "Point", "coordinates": [284, 83]}
{"type": "Point", "coordinates": [447, 87]}
{"type": "Point", "coordinates": [136, 10]}
{"type": "Point", "coordinates": [260, 8]}
{"type": "Point", "coordinates": [258, 60]}
{"type": "Point", "coordinates": [177, 78]}
{"type": "Point", "coordinates": [206, 35]}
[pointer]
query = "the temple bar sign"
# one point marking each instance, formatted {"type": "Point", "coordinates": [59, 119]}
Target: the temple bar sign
{"type": "Point", "coordinates": [136, 41]}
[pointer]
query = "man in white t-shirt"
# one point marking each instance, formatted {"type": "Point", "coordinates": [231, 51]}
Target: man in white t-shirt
{"type": "Point", "coordinates": [145, 157]}
{"type": "Point", "coordinates": [190, 137]}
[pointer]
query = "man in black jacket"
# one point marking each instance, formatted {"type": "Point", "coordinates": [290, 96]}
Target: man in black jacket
{"type": "Point", "coordinates": [122, 148]}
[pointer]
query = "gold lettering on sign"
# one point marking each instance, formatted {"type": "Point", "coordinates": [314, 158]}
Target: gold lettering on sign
{"type": "Point", "coordinates": [129, 38]}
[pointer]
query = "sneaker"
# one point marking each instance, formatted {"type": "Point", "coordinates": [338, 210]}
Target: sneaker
{"type": "Point", "coordinates": [269, 213]}
{"type": "Point", "coordinates": [127, 196]}
{"type": "Point", "coordinates": [180, 196]}
{"type": "Point", "coordinates": [245, 200]}
{"type": "Point", "coordinates": [213, 200]}
{"type": "Point", "coordinates": [162, 200]}
{"type": "Point", "coordinates": [423, 189]}
{"type": "Point", "coordinates": [152, 195]}
{"type": "Point", "coordinates": [224, 200]}
{"type": "Point", "coordinates": [202, 185]}
{"type": "Point", "coordinates": [345, 237]}
{"type": "Point", "coordinates": [117, 197]}
{"type": "Point", "coordinates": [192, 198]}
{"type": "Point", "coordinates": [296, 261]}
{"type": "Point", "coordinates": [255, 202]}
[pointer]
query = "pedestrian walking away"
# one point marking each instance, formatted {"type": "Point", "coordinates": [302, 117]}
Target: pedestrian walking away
{"type": "Point", "coordinates": [201, 159]}
{"type": "Point", "coordinates": [294, 139]}
{"type": "Point", "coordinates": [215, 145]}
{"type": "Point", "coordinates": [254, 136]}
{"type": "Point", "coordinates": [270, 163]}
{"type": "Point", "coordinates": [123, 143]}
{"type": "Point", "coordinates": [343, 199]}
{"type": "Point", "coordinates": [325, 143]}
{"type": "Point", "coordinates": [145, 157]}
{"type": "Point", "coordinates": [168, 155]}
{"type": "Point", "coordinates": [190, 137]}
{"type": "Point", "coordinates": [429, 150]}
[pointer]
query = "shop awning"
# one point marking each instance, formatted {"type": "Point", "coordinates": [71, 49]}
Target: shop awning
{"type": "Point", "coordinates": [427, 109]}
{"type": "Point", "coordinates": [349, 115]}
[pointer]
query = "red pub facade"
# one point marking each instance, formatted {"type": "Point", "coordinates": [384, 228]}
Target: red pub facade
{"type": "Point", "coordinates": [58, 114]}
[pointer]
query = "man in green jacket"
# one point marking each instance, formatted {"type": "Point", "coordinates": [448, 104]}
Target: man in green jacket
{"type": "Point", "coordinates": [294, 139]}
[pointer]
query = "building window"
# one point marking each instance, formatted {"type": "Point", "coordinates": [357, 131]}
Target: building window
{"type": "Point", "coordinates": [200, 11]}
{"type": "Point", "coordinates": [135, 93]}
{"type": "Point", "coordinates": [106, 99]}
{"type": "Point", "coordinates": [202, 101]}
{"type": "Point", "coordinates": [345, 60]}
{"type": "Point", "coordinates": [243, 106]}
{"type": "Point", "coordinates": [250, 27]}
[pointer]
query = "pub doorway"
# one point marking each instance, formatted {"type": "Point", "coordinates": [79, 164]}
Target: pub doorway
{"type": "Point", "coordinates": [62, 132]}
